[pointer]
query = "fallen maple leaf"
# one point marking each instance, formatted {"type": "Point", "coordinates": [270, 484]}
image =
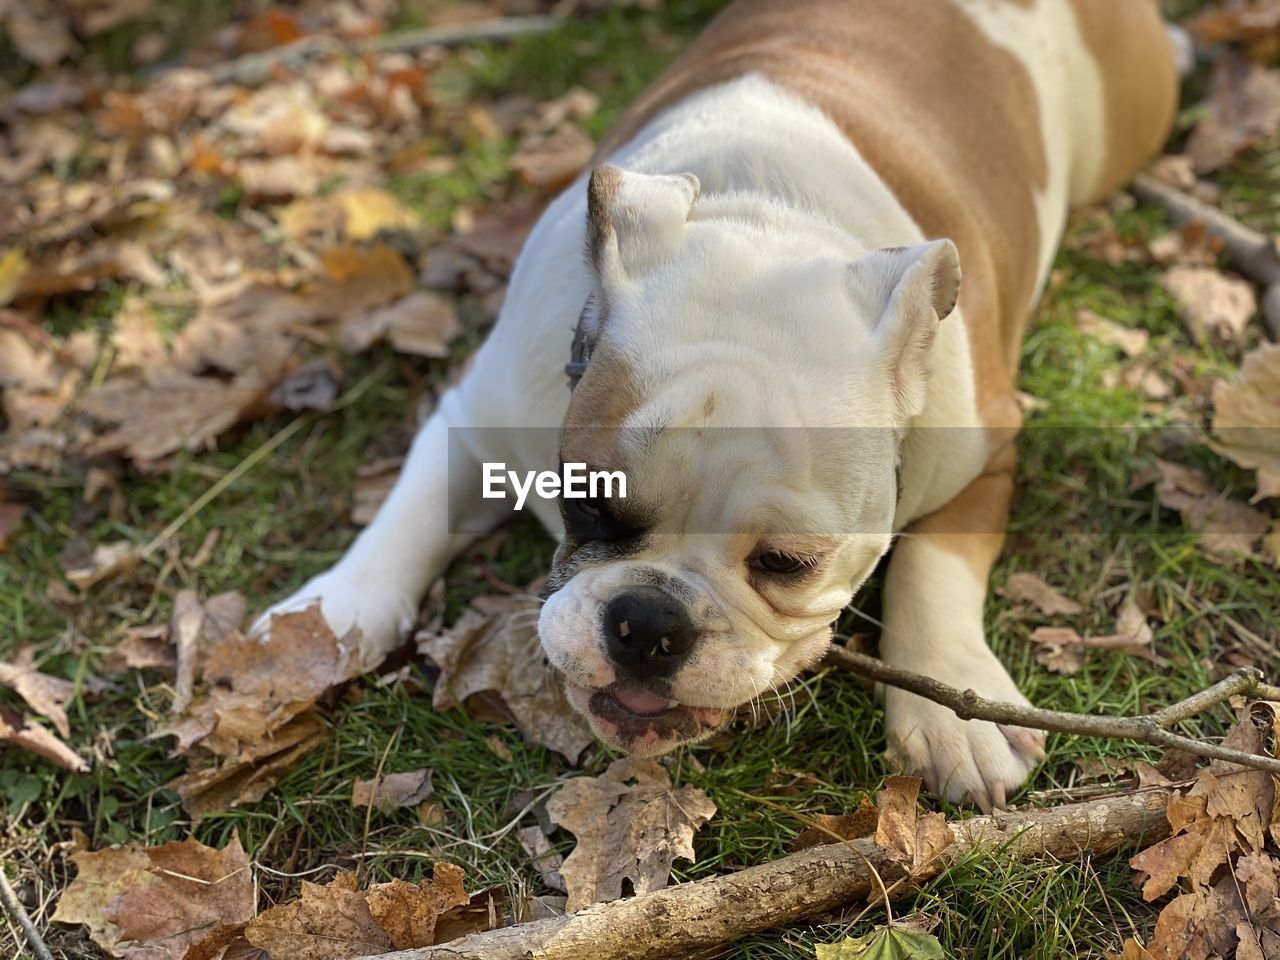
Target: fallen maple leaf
{"type": "Point", "coordinates": [494, 648]}
{"type": "Point", "coordinates": [630, 824]}
{"type": "Point", "coordinates": [328, 922]}
{"type": "Point", "coordinates": [1212, 305]}
{"type": "Point", "coordinates": [1216, 854]}
{"type": "Point", "coordinates": [195, 894]}
{"type": "Point", "coordinates": [904, 835]}
{"type": "Point", "coordinates": [336, 921]}
{"type": "Point", "coordinates": [1243, 111]}
{"type": "Point", "coordinates": [102, 876]}
{"type": "Point", "coordinates": [194, 625]}
{"type": "Point", "coordinates": [141, 648]}
{"type": "Point", "coordinates": [407, 789]}
{"type": "Point", "coordinates": [1246, 418]}
{"type": "Point", "coordinates": [409, 912]}
{"type": "Point", "coordinates": [893, 942]}
{"type": "Point", "coordinates": [1029, 588]}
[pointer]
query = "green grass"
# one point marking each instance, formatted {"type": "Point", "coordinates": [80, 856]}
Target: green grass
{"type": "Point", "coordinates": [1076, 522]}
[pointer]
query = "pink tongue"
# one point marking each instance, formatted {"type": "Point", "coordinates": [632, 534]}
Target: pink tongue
{"type": "Point", "coordinates": [638, 701]}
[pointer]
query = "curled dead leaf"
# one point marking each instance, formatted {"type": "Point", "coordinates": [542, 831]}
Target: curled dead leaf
{"type": "Point", "coordinates": [631, 824]}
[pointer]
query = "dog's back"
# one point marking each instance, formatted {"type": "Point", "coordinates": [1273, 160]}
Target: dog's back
{"type": "Point", "coordinates": [986, 118]}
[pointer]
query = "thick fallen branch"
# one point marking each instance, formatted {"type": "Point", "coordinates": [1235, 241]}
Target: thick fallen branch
{"type": "Point", "coordinates": [1149, 729]}
{"type": "Point", "coordinates": [718, 910]}
{"type": "Point", "coordinates": [1254, 254]}
{"type": "Point", "coordinates": [256, 68]}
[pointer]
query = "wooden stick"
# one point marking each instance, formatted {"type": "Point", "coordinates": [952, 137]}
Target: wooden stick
{"type": "Point", "coordinates": [1254, 254]}
{"type": "Point", "coordinates": [255, 68]}
{"type": "Point", "coordinates": [714, 911]}
{"type": "Point", "coordinates": [1148, 729]}
{"type": "Point", "coordinates": [13, 906]}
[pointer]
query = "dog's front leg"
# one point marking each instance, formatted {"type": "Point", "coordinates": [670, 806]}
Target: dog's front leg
{"type": "Point", "coordinates": [378, 583]}
{"type": "Point", "coordinates": [934, 593]}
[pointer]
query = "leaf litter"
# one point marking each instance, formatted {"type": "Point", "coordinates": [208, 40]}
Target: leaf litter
{"type": "Point", "coordinates": [1221, 858]}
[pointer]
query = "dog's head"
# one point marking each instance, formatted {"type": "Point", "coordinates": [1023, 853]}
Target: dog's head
{"type": "Point", "coordinates": [750, 375]}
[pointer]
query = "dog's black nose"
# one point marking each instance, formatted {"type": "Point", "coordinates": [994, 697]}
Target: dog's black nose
{"type": "Point", "coordinates": [647, 633]}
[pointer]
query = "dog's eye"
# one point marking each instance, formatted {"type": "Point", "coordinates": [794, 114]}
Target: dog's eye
{"type": "Point", "coordinates": [775, 561]}
{"type": "Point", "coordinates": [592, 518]}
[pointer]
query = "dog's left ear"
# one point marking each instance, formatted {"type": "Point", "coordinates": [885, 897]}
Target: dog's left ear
{"type": "Point", "coordinates": [907, 292]}
{"type": "Point", "coordinates": [635, 220]}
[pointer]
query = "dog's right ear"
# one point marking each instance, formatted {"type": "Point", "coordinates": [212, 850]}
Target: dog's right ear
{"type": "Point", "coordinates": [635, 220]}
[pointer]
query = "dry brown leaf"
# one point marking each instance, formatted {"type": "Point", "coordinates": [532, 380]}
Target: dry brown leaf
{"type": "Point", "coordinates": [1246, 418]}
{"type": "Point", "coordinates": [542, 857]}
{"type": "Point", "coordinates": [38, 32]}
{"type": "Point", "coordinates": [1228, 528]}
{"type": "Point", "coordinates": [256, 685]}
{"type": "Point", "coordinates": [1213, 306]}
{"type": "Point", "coordinates": [328, 922]}
{"type": "Point", "coordinates": [357, 213]}
{"type": "Point", "coordinates": [1243, 111]}
{"type": "Point", "coordinates": [407, 789]}
{"type": "Point", "coordinates": [1215, 855]}
{"type": "Point", "coordinates": [630, 824]}
{"type": "Point", "coordinates": [44, 694]}
{"type": "Point", "coordinates": [905, 836]}
{"type": "Point", "coordinates": [194, 627]}
{"type": "Point", "coordinates": [1131, 341]}
{"type": "Point", "coordinates": [409, 912]}
{"type": "Point", "coordinates": [1060, 649]}
{"type": "Point", "coordinates": [169, 411]}
{"type": "Point", "coordinates": [551, 161]}
{"type": "Point", "coordinates": [141, 648]}
{"type": "Point", "coordinates": [494, 648]}
{"type": "Point", "coordinates": [211, 786]}
{"type": "Point", "coordinates": [422, 323]}
{"type": "Point", "coordinates": [83, 567]}
{"type": "Point", "coordinates": [195, 890]}
{"type": "Point", "coordinates": [102, 876]}
{"type": "Point", "coordinates": [136, 336]}
{"type": "Point", "coordinates": [1029, 588]}
{"type": "Point", "coordinates": [828, 828]}
{"type": "Point", "coordinates": [21, 732]}
{"type": "Point", "coordinates": [1253, 23]}
{"type": "Point", "coordinates": [255, 711]}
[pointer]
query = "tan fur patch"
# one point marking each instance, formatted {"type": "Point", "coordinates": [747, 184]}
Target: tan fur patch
{"type": "Point", "coordinates": [602, 191]}
{"type": "Point", "coordinates": [599, 406]}
{"type": "Point", "coordinates": [1128, 41]}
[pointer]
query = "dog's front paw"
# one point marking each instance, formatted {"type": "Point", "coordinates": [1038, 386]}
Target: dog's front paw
{"type": "Point", "coordinates": [967, 760]}
{"type": "Point", "coordinates": [383, 614]}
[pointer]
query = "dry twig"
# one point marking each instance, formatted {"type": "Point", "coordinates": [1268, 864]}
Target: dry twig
{"type": "Point", "coordinates": [256, 68]}
{"type": "Point", "coordinates": [708, 913]}
{"type": "Point", "coordinates": [1148, 729]}
{"type": "Point", "coordinates": [13, 906]}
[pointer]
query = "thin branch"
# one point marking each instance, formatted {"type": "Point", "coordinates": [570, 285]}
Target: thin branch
{"type": "Point", "coordinates": [1253, 253]}
{"type": "Point", "coordinates": [256, 68]}
{"type": "Point", "coordinates": [13, 906]}
{"type": "Point", "coordinates": [1147, 729]}
{"type": "Point", "coordinates": [706, 914]}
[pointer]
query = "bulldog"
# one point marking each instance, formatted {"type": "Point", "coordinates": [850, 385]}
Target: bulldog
{"type": "Point", "coordinates": [759, 284]}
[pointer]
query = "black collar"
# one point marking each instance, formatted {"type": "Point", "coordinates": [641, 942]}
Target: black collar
{"type": "Point", "coordinates": [580, 350]}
